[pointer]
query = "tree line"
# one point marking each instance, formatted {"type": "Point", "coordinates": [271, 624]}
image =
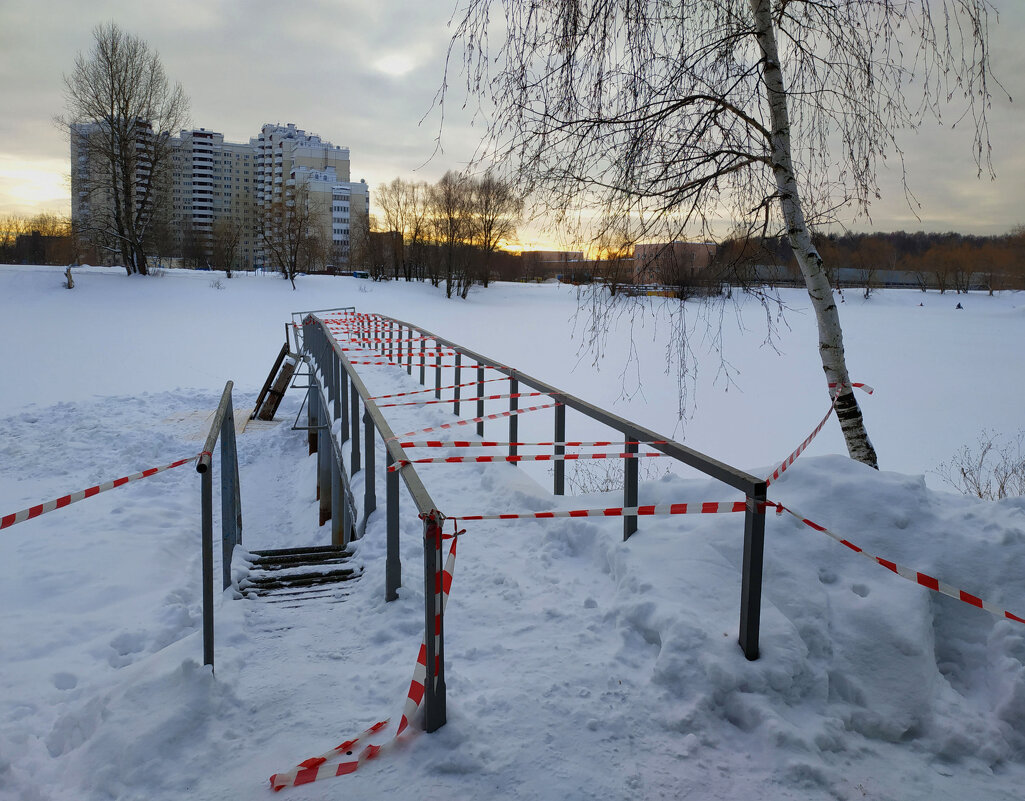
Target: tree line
{"type": "Point", "coordinates": [450, 232]}
{"type": "Point", "coordinates": [44, 238]}
{"type": "Point", "coordinates": [944, 261]}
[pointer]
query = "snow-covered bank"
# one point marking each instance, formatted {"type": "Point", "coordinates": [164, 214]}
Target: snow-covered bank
{"type": "Point", "coordinates": [578, 666]}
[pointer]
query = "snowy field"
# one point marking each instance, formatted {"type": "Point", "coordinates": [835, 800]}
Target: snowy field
{"type": "Point", "coordinates": [578, 667]}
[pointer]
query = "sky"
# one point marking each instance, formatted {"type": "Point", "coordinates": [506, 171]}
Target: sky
{"type": "Point", "coordinates": [364, 75]}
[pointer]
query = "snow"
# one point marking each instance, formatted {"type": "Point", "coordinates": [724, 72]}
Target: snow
{"type": "Point", "coordinates": [578, 666]}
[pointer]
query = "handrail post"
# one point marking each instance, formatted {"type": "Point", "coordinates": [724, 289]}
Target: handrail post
{"type": "Point", "coordinates": [437, 371]}
{"type": "Point", "coordinates": [434, 627]}
{"type": "Point", "coordinates": [751, 577]}
{"type": "Point", "coordinates": [354, 423]}
{"type": "Point", "coordinates": [369, 483]}
{"type": "Point", "coordinates": [343, 401]}
{"type": "Point", "coordinates": [480, 400]}
{"type": "Point", "coordinates": [514, 419]}
{"type": "Point", "coordinates": [560, 436]}
{"type": "Point", "coordinates": [338, 534]}
{"type": "Point", "coordinates": [457, 381]}
{"type": "Point", "coordinates": [423, 361]}
{"type": "Point", "coordinates": [409, 343]}
{"type": "Point", "coordinates": [630, 487]}
{"type": "Point", "coordinates": [324, 460]}
{"type": "Point", "coordinates": [312, 412]}
{"type": "Point", "coordinates": [207, 506]}
{"type": "Point", "coordinates": [231, 514]}
{"type": "Point", "coordinates": [393, 563]}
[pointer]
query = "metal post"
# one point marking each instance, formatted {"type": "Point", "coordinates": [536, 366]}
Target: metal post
{"type": "Point", "coordinates": [751, 577]}
{"type": "Point", "coordinates": [457, 381]}
{"type": "Point", "coordinates": [324, 466]}
{"type": "Point", "coordinates": [336, 382]}
{"type": "Point", "coordinates": [480, 400]}
{"type": "Point", "coordinates": [393, 564]}
{"type": "Point", "coordinates": [630, 487]}
{"type": "Point", "coordinates": [560, 436]}
{"type": "Point", "coordinates": [354, 422]}
{"type": "Point", "coordinates": [344, 394]}
{"type": "Point", "coordinates": [339, 534]}
{"type": "Point", "coordinates": [409, 342]}
{"type": "Point", "coordinates": [514, 419]}
{"type": "Point", "coordinates": [423, 361]}
{"type": "Point", "coordinates": [230, 514]}
{"type": "Point", "coordinates": [348, 524]}
{"type": "Point", "coordinates": [369, 483]}
{"type": "Point", "coordinates": [312, 418]}
{"type": "Point", "coordinates": [434, 628]}
{"type": "Point", "coordinates": [437, 370]}
{"type": "Point", "coordinates": [207, 506]}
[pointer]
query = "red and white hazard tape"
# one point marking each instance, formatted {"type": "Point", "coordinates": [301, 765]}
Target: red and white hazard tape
{"type": "Point", "coordinates": [464, 400]}
{"type": "Point", "coordinates": [426, 363]}
{"type": "Point", "coordinates": [530, 457]}
{"type": "Point", "coordinates": [709, 508]}
{"type": "Point", "coordinates": [465, 443]}
{"type": "Point", "coordinates": [415, 696]}
{"type": "Point", "coordinates": [317, 768]}
{"type": "Point", "coordinates": [59, 503]}
{"type": "Point", "coordinates": [922, 579]}
{"type": "Point", "coordinates": [472, 420]}
{"type": "Point", "coordinates": [793, 457]}
{"type": "Point", "coordinates": [432, 389]}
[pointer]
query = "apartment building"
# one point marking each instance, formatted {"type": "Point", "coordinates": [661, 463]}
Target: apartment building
{"type": "Point", "coordinates": [216, 187]}
{"type": "Point", "coordinates": [92, 202]}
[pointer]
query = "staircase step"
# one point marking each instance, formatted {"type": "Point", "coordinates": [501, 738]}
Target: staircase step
{"type": "Point", "coordinates": [309, 549]}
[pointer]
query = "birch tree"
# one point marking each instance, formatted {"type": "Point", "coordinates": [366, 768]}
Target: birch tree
{"type": "Point", "coordinates": [763, 116]}
{"type": "Point", "coordinates": [121, 114]}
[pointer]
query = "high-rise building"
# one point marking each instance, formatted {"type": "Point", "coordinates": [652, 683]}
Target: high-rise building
{"type": "Point", "coordinates": [221, 189]}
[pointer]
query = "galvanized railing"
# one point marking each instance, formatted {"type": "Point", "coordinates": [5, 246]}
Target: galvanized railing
{"type": "Point", "coordinates": [336, 393]}
{"type": "Point", "coordinates": [331, 371]}
{"type": "Point", "coordinates": [221, 428]}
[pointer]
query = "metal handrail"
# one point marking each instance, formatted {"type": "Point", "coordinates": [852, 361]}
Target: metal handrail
{"type": "Point", "coordinates": [331, 377]}
{"type": "Point", "coordinates": [338, 375]}
{"type": "Point", "coordinates": [221, 428]}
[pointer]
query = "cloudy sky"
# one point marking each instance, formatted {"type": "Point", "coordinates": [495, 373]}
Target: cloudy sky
{"type": "Point", "coordinates": [363, 75]}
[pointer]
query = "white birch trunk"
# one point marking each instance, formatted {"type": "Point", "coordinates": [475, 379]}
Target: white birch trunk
{"type": "Point", "coordinates": [826, 314]}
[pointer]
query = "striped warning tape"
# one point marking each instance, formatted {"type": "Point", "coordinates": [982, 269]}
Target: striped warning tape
{"type": "Point", "coordinates": [389, 339]}
{"type": "Point", "coordinates": [317, 768]}
{"type": "Point", "coordinates": [708, 508]}
{"type": "Point", "coordinates": [472, 420]}
{"type": "Point", "coordinates": [465, 443]}
{"type": "Point", "coordinates": [530, 457]}
{"type": "Point", "coordinates": [310, 770]}
{"type": "Point", "coordinates": [432, 389]}
{"type": "Point", "coordinates": [922, 579]}
{"type": "Point", "coordinates": [793, 456]}
{"type": "Point", "coordinates": [464, 400]}
{"type": "Point", "coordinates": [414, 698]}
{"type": "Point", "coordinates": [59, 503]}
{"type": "Point", "coordinates": [418, 362]}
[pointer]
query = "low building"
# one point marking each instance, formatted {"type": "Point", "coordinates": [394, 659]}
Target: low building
{"type": "Point", "coordinates": [671, 263]}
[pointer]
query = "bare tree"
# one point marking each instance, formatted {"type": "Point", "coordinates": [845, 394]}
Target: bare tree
{"type": "Point", "coordinates": [676, 115]}
{"type": "Point", "coordinates": [121, 114]}
{"type": "Point", "coordinates": [495, 209]}
{"type": "Point", "coordinates": [225, 239]}
{"type": "Point", "coordinates": [403, 207]}
{"type": "Point", "coordinates": [449, 204]}
{"type": "Point", "coordinates": [292, 236]}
